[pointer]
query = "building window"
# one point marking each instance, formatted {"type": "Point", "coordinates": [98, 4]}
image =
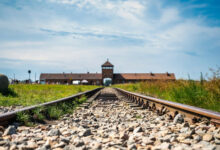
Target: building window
{"type": "Point", "coordinates": [107, 67]}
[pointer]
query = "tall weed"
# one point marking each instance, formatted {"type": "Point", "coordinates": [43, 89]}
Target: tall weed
{"type": "Point", "coordinates": [203, 93]}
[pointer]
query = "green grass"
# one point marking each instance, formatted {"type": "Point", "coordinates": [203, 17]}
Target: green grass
{"type": "Point", "coordinates": [203, 93]}
{"type": "Point", "coordinates": [24, 118]}
{"type": "Point", "coordinates": [52, 112]}
{"type": "Point", "coordinates": [39, 113]}
{"type": "Point", "coordinates": [138, 117]}
{"type": "Point", "coordinates": [25, 94]}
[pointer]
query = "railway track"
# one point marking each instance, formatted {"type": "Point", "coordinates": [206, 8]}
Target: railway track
{"type": "Point", "coordinates": [191, 114]}
{"type": "Point", "coordinates": [9, 117]}
{"type": "Point", "coordinates": [117, 119]}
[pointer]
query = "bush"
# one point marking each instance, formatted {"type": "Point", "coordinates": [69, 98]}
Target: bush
{"type": "Point", "coordinates": [4, 83]}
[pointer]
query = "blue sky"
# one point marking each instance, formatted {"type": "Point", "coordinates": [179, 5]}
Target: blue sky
{"type": "Point", "coordinates": [49, 36]}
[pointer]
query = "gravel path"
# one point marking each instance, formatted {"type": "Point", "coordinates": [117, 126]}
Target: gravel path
{"type": "Point", "coordinates": [4, 109]}
{"type": "Point", "coordinates": [112, 124]}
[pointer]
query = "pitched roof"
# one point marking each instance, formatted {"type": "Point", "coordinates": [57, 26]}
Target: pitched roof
{"type": "Point", "coordinates": [145, 76]}
{"type": "Point", "coordinates": [67, 76]}
{"type": "Point", "coordinates": [107, 64]}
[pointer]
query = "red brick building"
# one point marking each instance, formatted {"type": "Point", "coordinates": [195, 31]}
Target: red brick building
{"type": "Point", "coordinates": [98, 78]}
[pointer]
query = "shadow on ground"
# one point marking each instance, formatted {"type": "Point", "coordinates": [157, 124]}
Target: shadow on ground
{"type": "Point", "coordinates": [9, 92]}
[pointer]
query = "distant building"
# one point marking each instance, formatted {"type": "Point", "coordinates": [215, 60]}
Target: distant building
{"type": "Point", "coordinates": [99, 78]}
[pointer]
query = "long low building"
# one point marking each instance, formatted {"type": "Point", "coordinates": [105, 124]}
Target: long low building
{"type": "Point", "coordinates": [100, 78]}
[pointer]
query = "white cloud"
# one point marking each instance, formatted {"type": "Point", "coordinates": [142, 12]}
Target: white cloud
{"type": "Point", "coordinates": [186, 36]}
{"type": "Point", "coordinates": [16, 44]}
{"type": "Point", "coordinates": [196, 6]}
{"type": "Point", "coordinates": [131, 10]}
{"type": "Point", "coordinates": [170, 15]}
{"type": "Point", "coordinates": [122, 30]}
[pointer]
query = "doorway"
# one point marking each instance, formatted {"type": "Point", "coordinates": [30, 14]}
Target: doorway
{"type": "Point", "coordinates": [107, 81]}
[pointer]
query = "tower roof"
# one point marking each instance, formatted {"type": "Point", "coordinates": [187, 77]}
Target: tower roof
{"type": "Point", "coordinates": [107, 64]}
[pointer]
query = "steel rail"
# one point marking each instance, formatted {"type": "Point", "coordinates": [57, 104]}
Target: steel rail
{"type": "Point", "coordinates": [9, 116]}
{"type": "Point", "coordinates": [192, 114]}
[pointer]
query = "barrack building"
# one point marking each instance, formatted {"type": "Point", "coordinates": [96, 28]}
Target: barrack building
{"type": "Point", "coordinates": [99, 78]}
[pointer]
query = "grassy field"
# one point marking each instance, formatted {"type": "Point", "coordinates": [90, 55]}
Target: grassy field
{"type": "Point", "coordinates": [204, 94]}
{"type": "Point", "coordinates": [24, 94]}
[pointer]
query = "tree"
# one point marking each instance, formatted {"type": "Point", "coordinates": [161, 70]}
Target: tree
{"type": "Point", "coordinates": [29, 72]}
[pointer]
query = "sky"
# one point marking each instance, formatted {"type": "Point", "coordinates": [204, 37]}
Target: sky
{"type": "Point", "coordinates": [137, 36]}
